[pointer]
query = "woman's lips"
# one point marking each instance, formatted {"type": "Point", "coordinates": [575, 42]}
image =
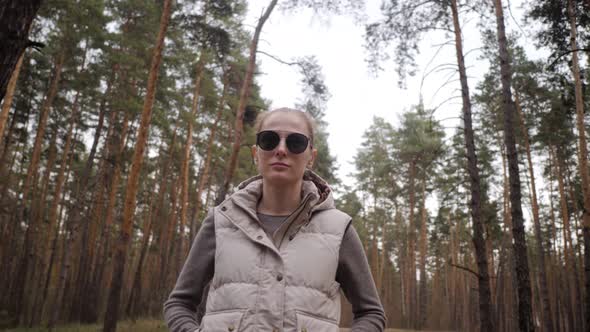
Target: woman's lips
{"type": "Point", "coordinates": [279, 165]}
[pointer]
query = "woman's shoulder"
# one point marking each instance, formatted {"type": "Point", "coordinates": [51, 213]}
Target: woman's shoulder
{"type": "Point", "coordinates": [331, 221]}
{"type": "Point", "coordinates": [333, 213]}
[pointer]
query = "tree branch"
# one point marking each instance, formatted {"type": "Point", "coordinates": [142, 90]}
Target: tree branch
{"type": "Point", "coordinates": [35, 45]}
{"type": "Point", "coordinates": [464, 268]}
{"type": "Point", "coordinates": [279, 59]}
{"type": "Point", "coordinates": [566, 53]}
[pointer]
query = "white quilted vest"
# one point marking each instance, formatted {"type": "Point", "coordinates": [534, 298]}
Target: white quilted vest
{"type": "Point", "coordinates": [259, 287]}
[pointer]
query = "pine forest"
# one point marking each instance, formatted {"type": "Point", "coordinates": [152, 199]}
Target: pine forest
{"type": "Point", "coordinates": [123, 122]}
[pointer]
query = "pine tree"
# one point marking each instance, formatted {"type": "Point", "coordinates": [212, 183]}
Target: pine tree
{"type": "Point", "coordinates": [17, 17]}
{"type": "Point", "coordinates": [112, 314]}
{"type": "Point", "coordinates": [404, 23]}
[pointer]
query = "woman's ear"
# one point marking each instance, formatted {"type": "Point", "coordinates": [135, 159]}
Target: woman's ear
{"type": "Point", "coordinates": [254, 151]}
{"type": "Point", "coordinates": [314, 154]}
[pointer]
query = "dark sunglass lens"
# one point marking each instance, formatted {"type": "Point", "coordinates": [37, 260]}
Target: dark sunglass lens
{"type": "Point", "coordinates": [296, 143]}
{"type": "Point", "coordinates": [268, 140]}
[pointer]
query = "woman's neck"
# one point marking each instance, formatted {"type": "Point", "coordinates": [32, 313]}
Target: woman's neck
{"type": "Point", "coordinates": [279, 200]}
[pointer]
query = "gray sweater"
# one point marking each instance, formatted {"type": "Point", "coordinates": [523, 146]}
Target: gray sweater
{"type": "Point", "coordinates": [353, 274]}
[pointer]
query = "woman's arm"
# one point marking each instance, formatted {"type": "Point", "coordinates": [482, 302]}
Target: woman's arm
{"type": "Point", "coordinates": [180, 308]}
{"type": "Point", "coordinates": [354, 276]}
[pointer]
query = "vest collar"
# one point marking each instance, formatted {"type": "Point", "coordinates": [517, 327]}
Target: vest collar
{"type": "Point", "coordinates": [316, 196]}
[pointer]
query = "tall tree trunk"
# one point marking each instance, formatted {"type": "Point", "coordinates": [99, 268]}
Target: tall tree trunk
{"type": "Point", "coordinates": [54, 234]}
{"type": "Point", "coordinates": [6, 223]}
{"type": "Point", "coordinates": [490, 257]}
{"type": "Point", "coordinates": [86, 291]}
{"type": "Point", "coordinates": [52, 155]}
{"type": "Point", "coordinates": [112, 314]}
{"type": "Point", "coordinates": [423, 253]}
{"type": "Point", "coordinates": [5, 166]}
{"type": "Point", "coordinates": [162, 188]}
{"type": "Point", "coordinates": [525, 318]}
{"type": "Point", "coordinates": [485, 308]}
{"type": "Point", "coordinates": [567, 238]}
{"type": "Point", "coordinates": [163, 225]}
{"type": "Point", "coordinates": [411, 292]}
{"type": "Point", "coordinates": [384, 257]}
{"type": "Point", "coordinates": [135, 296]}
{"type": "Point", "coordinates": [37, 215]}
{"type": "Point", "coordinates": [30, 252]}
{"type": "Point", "coordinates": [244, 95]}
{"type": "Point", "coordinates": [187, 156]}
{"type": "Point", "coordinates": [52, 217]}
{"type": "Point", "coordinates": [544, 293]}
{"type": "Point", "coordinates": [374, 257]}
{"type": "Point", "coordinates": [578, 257]}
{"type": "Point", "coordinates": [509, 303]}
{"type": "Point", "coordinates": [167, 242]}
{"type": "Point", "coordinates": [8, 251]}
{"type": "Point", "coordinates": [451, 275]}
{"type": "Point", "coordinates": [110, 178]}
{"type": "Point", "coordinates": [582, 155]}
{"type": "Point", "coordinates": [9, 95]}
{"type": "Point", "coordinates": [54, 261]}
{"type": "Point", "coordinates": [204, 178]}
{"type": "Point", "coordinates": [16, 17]}
{"type": "Point", "coordinates": [553, 254]}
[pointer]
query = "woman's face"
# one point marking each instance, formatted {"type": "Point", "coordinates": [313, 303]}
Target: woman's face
{"type": "Point", "coordinates": [281, 166]}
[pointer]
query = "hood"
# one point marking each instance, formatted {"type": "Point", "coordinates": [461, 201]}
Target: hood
{"type": "Point", "coordinates": [319, 192]}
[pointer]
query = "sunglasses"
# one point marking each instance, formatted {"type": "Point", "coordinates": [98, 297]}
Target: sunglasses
{"type": "Point", "coordinates": [268, 140]}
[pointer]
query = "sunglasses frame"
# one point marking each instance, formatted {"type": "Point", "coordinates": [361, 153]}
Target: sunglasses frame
{"type": "Point", "coordinates": [308, 140]}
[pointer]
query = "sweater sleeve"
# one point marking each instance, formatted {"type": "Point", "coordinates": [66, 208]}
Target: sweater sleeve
{"type": "Point", "coordinates": [180, 310]}
{"type": "Point", "coordinates": [354, 276]}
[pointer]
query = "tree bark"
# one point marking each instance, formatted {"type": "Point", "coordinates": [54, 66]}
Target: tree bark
{"type": "Point", "coordinates": [544, 293]}
{"type": "Point", "coordinates": [186, 158]}
{"type": "Point", "coordinates": [167, 244]}
{"type": "Point", "coordinates": [485, 309]}
{"type": "Point", "coordinates": [568, 249]}
{"type": "Point", "coordinates": [5, 166]}
{"type": "Point", "coordinates": [59, 182]}
{"type": "Point", "coordinates": [525, 318]}
{"type": "Point", "coordinates": [16, 17]}
{"type": "Point", "coordinates": [112, 313]}
{"type": "Point", "coordinates": [9, 96]}
{"type": "Point", "coordinates": [582, 156]}
{"type": "Point", "coordinates": [135, 296]}
{"type": "Point", "coordinates": [423, 254]}
{"type": "Point", "coordinates": [88, 265]}
{"type": "Point", "coordinates": [30, 247]}
{"type": "Point", "coordinates": [244, 95]}
{"type": "Point", "coordinates": [411, 262]}
{"type": "Point", "coordinates": [51, 156]}
{"type": "Point", "coordinates": [162, 188]}
{"type": "Point", "coordinates": [52, 221]}
{"type": "Point", "coordinates": [110, 178]}
{"type": "Point", "coordinates": [164, 224]}
{"type": "Point", "coordinates": [37, 208]}
{"type": "Point", "coordinates": [204, 178]}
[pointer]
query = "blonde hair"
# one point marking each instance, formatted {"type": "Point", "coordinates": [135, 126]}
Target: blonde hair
{"type": "Point", "coordinates": [308, 119]}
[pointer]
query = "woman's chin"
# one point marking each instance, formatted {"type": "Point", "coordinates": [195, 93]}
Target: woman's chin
{"type": "Point", "coordinates": [280, 178]}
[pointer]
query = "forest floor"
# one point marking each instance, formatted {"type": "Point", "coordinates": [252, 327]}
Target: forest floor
{"type": "Point", "coordinates": [144, 325]}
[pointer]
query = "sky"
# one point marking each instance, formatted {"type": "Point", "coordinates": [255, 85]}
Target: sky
{"type": "Point", "coordinates": [357, 95]}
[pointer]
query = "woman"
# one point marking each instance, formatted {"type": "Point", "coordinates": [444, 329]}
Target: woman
{"type": "Point", "coordinates": [277, 251]}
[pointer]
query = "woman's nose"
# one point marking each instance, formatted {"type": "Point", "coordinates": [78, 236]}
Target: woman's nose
{"type": "Point", "coordinates": [281, 148]}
